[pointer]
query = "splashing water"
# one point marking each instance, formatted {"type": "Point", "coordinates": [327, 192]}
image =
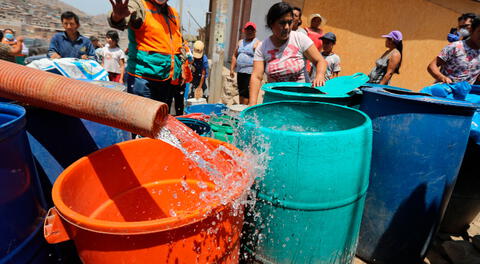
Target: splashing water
{"type": "Point", "coordinates": [226, 168]}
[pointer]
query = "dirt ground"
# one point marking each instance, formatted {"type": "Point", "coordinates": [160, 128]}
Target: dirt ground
{"type": "Point", "coordinates": [452, 249]}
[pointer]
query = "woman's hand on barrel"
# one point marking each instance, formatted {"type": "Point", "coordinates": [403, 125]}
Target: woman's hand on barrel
{"type": "Point", "coordinates": [120, 9]}
{"type": "Point", "coordinates": [319, 80]}
{"type": "Point", "coordinates": [446, 80]}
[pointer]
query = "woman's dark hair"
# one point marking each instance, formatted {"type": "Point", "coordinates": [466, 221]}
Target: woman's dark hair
{"type": "Point", "coordinates": [8, 29]}
{"type": "Point", "coordinates": [112, 34]}
{"type": "Point", "coordinates": [399, 47]}
{"type": "Point", "coordinates": [295, 8]}
{"type": "Point", "coordinates": [466, 16]}
{"type": "Point", "coordinates": [1, 34]}
{"type": "Point", "coordinates": [475, 23]}
{"type": "Point", "coordinates": [277, 11]}
{"type": "Point", "coordinates": [69, 15]}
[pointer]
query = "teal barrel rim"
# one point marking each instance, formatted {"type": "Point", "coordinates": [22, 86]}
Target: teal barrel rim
{"type": "Point", "coordinates": [368, 122]}
{"type": "Point", "coordinates": [310, 201]}
{"type": "Point", "coordinates": [291, 91]}
{"type": "Point", "coordinates": [274, 88]}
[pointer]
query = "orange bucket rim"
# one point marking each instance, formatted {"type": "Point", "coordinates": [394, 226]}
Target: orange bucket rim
{"type": "Point", "coordinates": [141, 227]}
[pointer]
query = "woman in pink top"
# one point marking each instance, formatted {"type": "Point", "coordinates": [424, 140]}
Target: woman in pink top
{"type": "Point", "coordinates": [282, 56]}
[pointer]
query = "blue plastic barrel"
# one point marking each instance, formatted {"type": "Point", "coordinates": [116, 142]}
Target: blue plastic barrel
{"type": "Point", "coordinates": [208, 109]}
{"type": "Point", "coordinates": [418, 145]}
{"type": "Point", "coordinates": [22, 206]}
{"type": "Point", "coordinates": [200, 127]}
{"type": "Point", "coordinates": [310, 200]}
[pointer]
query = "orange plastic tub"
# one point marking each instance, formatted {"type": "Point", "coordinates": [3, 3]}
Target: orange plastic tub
{"type": "Point", "coordinates": [140, 202]}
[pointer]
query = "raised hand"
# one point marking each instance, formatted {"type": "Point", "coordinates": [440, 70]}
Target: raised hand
{"type": "Point", "coordinates": [120, 9]}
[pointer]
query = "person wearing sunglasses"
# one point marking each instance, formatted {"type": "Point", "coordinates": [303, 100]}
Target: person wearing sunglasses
{"type": "Point", "coordinates": [459, 61]}
{"type": "Point", "coordinates": [461, 32]}
{"type": "Point", "coordinates": [282, 56]}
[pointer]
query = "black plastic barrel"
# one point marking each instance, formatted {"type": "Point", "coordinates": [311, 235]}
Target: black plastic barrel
{"type": "Point", "coordinates": [58, 140]}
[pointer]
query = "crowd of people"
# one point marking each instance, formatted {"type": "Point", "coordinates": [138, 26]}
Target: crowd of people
{"type": "Point", "coordinates": [158, 62]}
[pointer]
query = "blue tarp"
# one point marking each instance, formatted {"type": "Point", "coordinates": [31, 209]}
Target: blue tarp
{"type": "Point", "coordinates": [460, 91]}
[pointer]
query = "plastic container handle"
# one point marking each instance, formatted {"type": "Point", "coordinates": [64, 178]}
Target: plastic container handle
{"type": "Point", "coordinates": [54, 229]}
{"type": "Point", "coordinates": [361, 77]}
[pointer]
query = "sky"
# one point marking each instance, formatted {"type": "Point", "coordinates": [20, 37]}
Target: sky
{"type": "Point", "coordinates": [197, 8]}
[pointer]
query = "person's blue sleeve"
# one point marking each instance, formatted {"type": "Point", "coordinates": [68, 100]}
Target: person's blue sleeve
{"type": "Point", "coordinates": [453, 37]}
{"type": "Point", "coordinates": [90, 50]}
{"type": "Point", "coordinates": [53, 46]}
{"type": "Point", "coordinates": [205, 65]}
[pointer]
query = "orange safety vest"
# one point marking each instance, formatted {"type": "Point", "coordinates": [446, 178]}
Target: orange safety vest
{"type": "Point", "coordinates": [158, 36]}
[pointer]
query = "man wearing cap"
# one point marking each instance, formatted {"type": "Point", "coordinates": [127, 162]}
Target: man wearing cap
{"type": "Point", "coordinates": [459, 61]}
{"type": "Point", "coordinates": [333, 60]}
{"type": "Point", "coordinates": [242, 61]}
{"type": "Point", "coordinates": [390, 61]}
{"type": "Point", "coordinates": [155, 46]}
{"type": "Point", "coordinates": [199, 70]}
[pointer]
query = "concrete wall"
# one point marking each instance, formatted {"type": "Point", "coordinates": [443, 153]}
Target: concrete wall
{"type": "Point", "coordinates": [228, 32]}
{"type": "Point", "coordinates": [258, 14]}
{"type": "Point", "coordinates": [359, 24]}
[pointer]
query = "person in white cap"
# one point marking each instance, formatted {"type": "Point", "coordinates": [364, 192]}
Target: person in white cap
{"type": "Point", "coordinates": [390, 61]}
{"type": "Point", "coordinates": [242, 61]}
{"type": "Point", "coordinates": [316, 23]}
{"type": "Point", "coordinates": [315, 31]}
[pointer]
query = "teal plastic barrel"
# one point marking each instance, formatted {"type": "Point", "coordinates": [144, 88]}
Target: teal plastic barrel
{"type": "Point", "coordinates": [286, 91]}
{"type": "Point", "coordinates": [310, 200]}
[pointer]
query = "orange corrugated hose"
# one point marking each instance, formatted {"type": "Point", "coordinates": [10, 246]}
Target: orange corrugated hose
{"type": "Point", "coordinates": [129, 112]}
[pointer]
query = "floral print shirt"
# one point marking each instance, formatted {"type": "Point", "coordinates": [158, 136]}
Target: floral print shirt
{"type": "Point", "coordinates": [462, 63]}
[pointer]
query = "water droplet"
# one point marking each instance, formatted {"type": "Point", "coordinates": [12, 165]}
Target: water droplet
{"type": "Point", "coordinates": [202, 184]}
